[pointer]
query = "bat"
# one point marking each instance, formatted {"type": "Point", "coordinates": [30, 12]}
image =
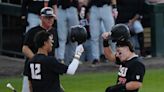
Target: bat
{"type": "Point", "coordinates": [8, 85]}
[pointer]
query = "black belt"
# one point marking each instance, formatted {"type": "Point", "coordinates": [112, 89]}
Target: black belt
{"type": "Point", "coordinates": [100, 5]}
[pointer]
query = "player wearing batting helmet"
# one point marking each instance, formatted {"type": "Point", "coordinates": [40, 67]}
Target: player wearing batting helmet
{"type": "Point", "coordinates": [131, 71]}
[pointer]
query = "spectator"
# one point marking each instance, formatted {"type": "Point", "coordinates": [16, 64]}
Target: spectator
{"type": "Point", "coordinates": [67, 16]}
{"type": "Point", "coordinates": [84, 21]}
{"type": "Point", "coordinates": [31, 9]}
{"type": "Point", "coordinates": [100, 12]}
{"type": "Point", "coordinates": [47, 19]}
{"type": "Point", "coordinates": [43, 71]}
{"type": "Point", "coordinates": [131, 70]}
{"type": "Point", "coordinates": [130, 13]}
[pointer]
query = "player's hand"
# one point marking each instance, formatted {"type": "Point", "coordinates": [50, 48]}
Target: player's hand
{"type": "Point", "coordinates": [79, 50]}
{"type": "Point", "coordinates": [106, 35]}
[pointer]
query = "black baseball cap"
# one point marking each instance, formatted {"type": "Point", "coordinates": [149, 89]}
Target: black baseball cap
{"type": "Point", "coordinates": [47, 11]}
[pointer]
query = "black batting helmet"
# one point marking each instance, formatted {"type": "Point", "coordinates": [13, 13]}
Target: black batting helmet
{"type": "Point", "coordinates": [78, 34]}
{"type": "Point", "coordinates": [120, 32]}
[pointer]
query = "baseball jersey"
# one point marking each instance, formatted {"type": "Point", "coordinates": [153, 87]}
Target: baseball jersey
{"type": "Point", "coordinates": [43, 72]}
{"type": "Point", "coordinates": [131, 70]}
{"type": "Point", "coordinates": [34, 6]}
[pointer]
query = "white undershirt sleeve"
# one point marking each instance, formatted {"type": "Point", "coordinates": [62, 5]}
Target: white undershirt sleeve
{"type": "Point", "coordinates": [73, 67]}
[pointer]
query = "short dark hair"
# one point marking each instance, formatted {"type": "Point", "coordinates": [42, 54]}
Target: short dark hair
{"type": "Point", "coordinates": [125, 43]}
{"type": "Point", "coordinates": [40, 38]}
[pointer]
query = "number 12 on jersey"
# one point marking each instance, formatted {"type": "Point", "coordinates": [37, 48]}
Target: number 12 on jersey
{"type": "Point", "coordinates": [35, 71]}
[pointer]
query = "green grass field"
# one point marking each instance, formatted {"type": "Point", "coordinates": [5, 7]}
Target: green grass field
{"type": "Point", "coordinates": [94, 82]}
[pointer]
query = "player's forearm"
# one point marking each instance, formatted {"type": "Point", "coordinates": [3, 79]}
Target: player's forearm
{"type": "Point", "coordinates": [27, 52]}
{"type": "Point", "coordinates": [108, 54]}
{"type": "Point", "coordinates": [133, 85]}
{"type": "Point", "coordinates": [134, 18]}
{"type": "Point", "coordinates": [73, 66]}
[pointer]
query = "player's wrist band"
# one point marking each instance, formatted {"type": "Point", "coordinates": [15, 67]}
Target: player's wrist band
{"type": "Point", "coordinates": [106, 43]}
{"type": "Point", "coordinates": [75, 57]}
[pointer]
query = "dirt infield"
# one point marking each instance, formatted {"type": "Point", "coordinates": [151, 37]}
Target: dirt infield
{"type": "Point", "coordinates": [13, 66]}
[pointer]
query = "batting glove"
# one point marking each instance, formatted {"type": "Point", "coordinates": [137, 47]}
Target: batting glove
{"type": "Point", "coordinates": [79, 50]}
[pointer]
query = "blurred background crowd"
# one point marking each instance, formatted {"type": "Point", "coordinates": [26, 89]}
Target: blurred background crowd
{"type": "Point", "coordinates": [97, 16]}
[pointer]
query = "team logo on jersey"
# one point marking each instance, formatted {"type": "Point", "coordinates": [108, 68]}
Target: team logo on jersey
{"type": "Point", "coordinates": [84, 22]}
{"type": "Point", "coordinates": [122, 71]}
{"type": "Point", "coordinates": [137, 77]}
{"type": "Point", "coordinates": [122, 80]}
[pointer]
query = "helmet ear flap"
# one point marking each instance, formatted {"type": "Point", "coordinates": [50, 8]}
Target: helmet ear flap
{"type": "Point", "coordinates": [78, 34]}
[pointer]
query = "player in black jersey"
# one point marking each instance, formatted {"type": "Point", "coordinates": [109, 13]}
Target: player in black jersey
{"type": "Point", "coordinates": [131, 70]}
{"type": "Point", "coordinates": [43, 71]}
{"type": "Point", "coordinates": [47, 19]}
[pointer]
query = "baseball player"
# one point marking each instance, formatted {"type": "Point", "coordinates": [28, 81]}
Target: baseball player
{"type": "Point", "coordinates": [131, 70]}
{"type": "Point", "coordinates": [47, 19]}
{"type": "Point", "coordinates": [43, 71]}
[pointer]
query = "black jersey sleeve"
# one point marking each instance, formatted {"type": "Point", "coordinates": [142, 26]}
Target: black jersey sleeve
{"type": "Point", "coordinates": [27, 71]}
{"type": "Point", "coordinates": [27, 38]}
{"type": "Point", "coordinates": [56, 67]}
{"type": "Point", "coordinates": [138, 72]}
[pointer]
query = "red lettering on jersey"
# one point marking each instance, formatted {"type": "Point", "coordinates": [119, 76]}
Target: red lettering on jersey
{"type": "Point", "coordinates": [122, 80]}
